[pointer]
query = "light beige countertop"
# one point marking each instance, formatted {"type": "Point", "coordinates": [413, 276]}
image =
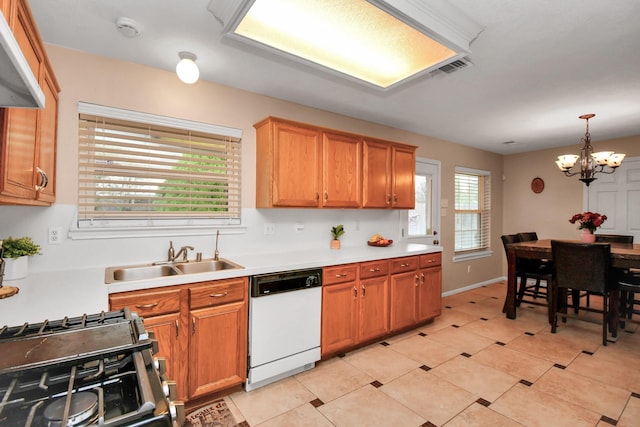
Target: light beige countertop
{"type": "Point", "coordinates": [54, 295]}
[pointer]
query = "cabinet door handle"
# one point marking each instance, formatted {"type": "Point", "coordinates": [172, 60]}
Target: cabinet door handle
{"type": "Point", "coordinates": [317, 196]}
{"type": "Point", "coordinates": [341, 275]}
{"type": "Point", "coordinates": [150, 305]}
{"type": "Point", "coordinates": [405, 265]}
{"type": "Point", "coordinates": [222, 294]}
{"type": "Point", "coordinates": [364, 291]}
{"type": "Point", "coordinates": [355, 292]}
{"type": "Point", "coordinates": [417, 280]}
{"type": "Point", "coordinates": [374, 270]}
{"type": "Point", "coordinates": [44, 180]}
{"type": "Point", "coordinates": [177, 329]}
{"type": "Point", "coordinates": [388, 199]}
{"type": "Point", "coordinates": [395, 199]}
{"type": "Point", "coordinates": [193, 325]}
{"type": "Point", "coordinates": [431, 261]}
{"type": "Point", "coordinates": [326, 196]}
{"type": "Point", "coordinates": [422, 278]}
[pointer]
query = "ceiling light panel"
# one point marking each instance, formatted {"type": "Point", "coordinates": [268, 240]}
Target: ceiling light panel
{"type": "Point", "coordinates": [352, 37]}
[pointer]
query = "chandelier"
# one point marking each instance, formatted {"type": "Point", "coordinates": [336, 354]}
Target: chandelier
{"type": "Point", "coordinates": [590, 163]}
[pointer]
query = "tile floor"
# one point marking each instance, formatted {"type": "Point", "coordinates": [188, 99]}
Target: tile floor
{"type": "Point", "coordinates": [470, 367]}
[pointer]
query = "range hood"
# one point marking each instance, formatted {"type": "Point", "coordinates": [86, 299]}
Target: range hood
{"type": "Point", "coordinates": [18, 85]}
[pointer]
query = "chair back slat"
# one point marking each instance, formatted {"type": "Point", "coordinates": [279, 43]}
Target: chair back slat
{"type": "Point", "coordinates": [613, 238]}
{"type": "Point", "coordinates": [582, 266]}
{"type": "Point", "coordinates": [528, 236]}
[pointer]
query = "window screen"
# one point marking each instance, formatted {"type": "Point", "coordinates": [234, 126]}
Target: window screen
{"type": "Point", "coordinates": [135, 169]}
{"type": "Point", "coordinates": [472, 211]}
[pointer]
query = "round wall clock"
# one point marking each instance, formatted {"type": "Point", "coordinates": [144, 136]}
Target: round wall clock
{"type": "Point", "coordinates": [537, 185]}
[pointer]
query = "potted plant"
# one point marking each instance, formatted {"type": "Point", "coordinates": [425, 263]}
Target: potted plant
{"type": "Point", "coordinates": [15, 254]}
{"type": "Point", "coordinates": [336, 232]}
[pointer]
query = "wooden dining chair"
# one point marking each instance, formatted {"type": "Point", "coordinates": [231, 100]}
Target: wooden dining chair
{"type": "Point", "coordinates": [529, 269]}
{"type": "Point", "coordinates": [582, 267]}
{"type": "Point", "coordinates": [613, 238]}
{"type": "Point", "coordinates": [541, 268]}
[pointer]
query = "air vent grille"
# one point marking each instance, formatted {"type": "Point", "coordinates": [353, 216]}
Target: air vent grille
{"type": "Point", "coordinates": [458, 64]}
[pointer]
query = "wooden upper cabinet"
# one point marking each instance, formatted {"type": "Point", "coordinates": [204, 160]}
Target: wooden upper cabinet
{"type": "Point", "coordinates": [377, 174]}
{"type": "Point", "coordinates": [28, 136]}
{"type": "Point", "coordinates": [342, 171]}
{"type": "Point", "coordinates": [288, 163]}
{"type": "Point", "coordinates": [403, 166]}
{"type": "Point", "coordinates": [301, 165]}
{"type": "Point", "coordinates": [389, 175]}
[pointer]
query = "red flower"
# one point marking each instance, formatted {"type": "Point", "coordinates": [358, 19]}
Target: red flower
{"type": "Point", "coordinates": [589, 220]}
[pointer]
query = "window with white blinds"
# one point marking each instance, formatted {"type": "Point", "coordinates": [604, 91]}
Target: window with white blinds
{"type": "Point", "coordinates": [153, 168]}
{"type": "Point", "coordinates": [472, 210]}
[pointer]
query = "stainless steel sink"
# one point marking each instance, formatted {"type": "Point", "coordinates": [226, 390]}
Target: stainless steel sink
{"type": "Point", "coordinates": [154, 271]}
{"type": "Point", "coordinates": [206, 266]}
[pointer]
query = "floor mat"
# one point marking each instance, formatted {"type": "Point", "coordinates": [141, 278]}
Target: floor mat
{"type": "Point", "coordinates": [215, 414]}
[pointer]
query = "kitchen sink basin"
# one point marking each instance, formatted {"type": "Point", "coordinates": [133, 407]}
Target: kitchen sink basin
{"type": "Point", "coordinates": [154, 271]}
{"type": "Point", "coordinates": [206, 266]}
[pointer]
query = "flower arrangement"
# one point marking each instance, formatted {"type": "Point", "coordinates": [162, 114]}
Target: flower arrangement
{"type": "Point", "coordinates": [588, 220]}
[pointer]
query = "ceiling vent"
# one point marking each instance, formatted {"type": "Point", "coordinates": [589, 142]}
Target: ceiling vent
{"type": "Point", "coordinates": [452, 67]}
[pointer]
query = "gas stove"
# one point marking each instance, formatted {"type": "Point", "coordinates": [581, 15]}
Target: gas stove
{"type": "Point", "coordinates": [90, 370]}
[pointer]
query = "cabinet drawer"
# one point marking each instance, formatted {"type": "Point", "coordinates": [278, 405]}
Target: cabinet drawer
{"type": "Point", "coordinates": [430, 260]}
{"type": "Point", "coordinates": [147, 304]}
{"type": "Point", "coordinates": [339, 274]}
{"type": "Point", "coordinates": [401, 265]}
{"type": "Point", "coordinates": [374, 269]}
{"type": "Point", "coordinates": [216, 294]}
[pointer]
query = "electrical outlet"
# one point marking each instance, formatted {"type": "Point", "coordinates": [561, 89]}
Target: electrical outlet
{"type": "Point", "coordinates": [299, 227]}
{"type": "Point", "coordinates": [55, 235]}
{"type": "Point", "coordinates": [269, 228]}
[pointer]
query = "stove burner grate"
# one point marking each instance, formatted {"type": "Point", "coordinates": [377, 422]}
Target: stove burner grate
{"type": "Point", "coordinates": [82, 410]}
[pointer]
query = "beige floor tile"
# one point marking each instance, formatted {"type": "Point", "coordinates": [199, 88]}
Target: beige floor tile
{"type": "Point", "coordinates": [593, 395]}
{"type": "Point", "coordinates": [449, 316]}
{"type": "Point", "coordinates": [484, 381]}
{"type": "Point", "coordinates": [272, 400]}
{"type": "Point", "coordinates": [631, 414]}
{"type": "Point", "coordinates": [424, 350]}
{"type": "Point", "coordinates": [428, 395]}
{"type": "Point", "coordinates": [482, 307]}
{"type": "Point", "coordinates": [305, 415]}
{"type": "Point", "coordinates": [478, 415]}
{"type": "Point", "coordinates": [496, 290]}
{"type": "Point", "coordinates": [498, 329]}
{"type": "Point", "coordinates": [461, 339]}
{"type": "Point", "coordinates": [534, 408]}
{"type": "Point", "coordinates": [381, 363]}
{"type": "Point", "coordinates": [369, 406]}
{"type": "Point", "coordinates": [333, 378]}
{"type": "Point", "coordinates": [518, 364]}
{"type": "Point", "coordinates": [623, 375]}
{"type": "Point", "coordinates": [401, 337]}
{"type": "Point", "coordinates": [546, 346]}
{"type": "Point", "coordinates": [458, 299]}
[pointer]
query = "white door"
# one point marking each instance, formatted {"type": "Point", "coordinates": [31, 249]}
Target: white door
{"type": "Point", "coordinates": [618, 197]}
{"type": "Point", "coordinates": [422, 224]}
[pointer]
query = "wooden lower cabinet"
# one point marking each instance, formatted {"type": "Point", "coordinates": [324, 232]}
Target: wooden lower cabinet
{"type": "Point", "coordinates": [354, 310]}
{"type": "Point", "coordinates": [430, 288]}
{"type": "Point", "coordinates": [201, 329]}
{"type": "Point", "coordinates": [217, 348]}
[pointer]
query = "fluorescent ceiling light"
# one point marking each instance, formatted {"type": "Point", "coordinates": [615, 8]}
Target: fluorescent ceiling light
{"type": "Point", "coordinates": [357, 38]}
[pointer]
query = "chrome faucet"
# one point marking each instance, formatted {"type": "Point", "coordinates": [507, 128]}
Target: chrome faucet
{"type": "Point", "coordinates": [216, 254]}
{"type": "Point", "coordinates": [183, 251]}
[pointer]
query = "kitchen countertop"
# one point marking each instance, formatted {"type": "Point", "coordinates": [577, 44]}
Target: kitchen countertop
{"type": "Point", "coordinates": [54, 295]}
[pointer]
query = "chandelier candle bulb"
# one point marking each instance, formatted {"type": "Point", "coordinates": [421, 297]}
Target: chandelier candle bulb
{"type": "Point", "coordinates": [590, 163]}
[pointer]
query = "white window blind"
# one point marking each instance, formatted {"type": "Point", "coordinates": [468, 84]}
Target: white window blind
{"type": "Point", "coordinates": [140, 166]}
{"type": "Point", "coordinates": [472, 211]}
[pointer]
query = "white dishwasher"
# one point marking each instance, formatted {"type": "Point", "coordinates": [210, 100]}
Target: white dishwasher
{"type": "Point", "coordinates": [284, 325]}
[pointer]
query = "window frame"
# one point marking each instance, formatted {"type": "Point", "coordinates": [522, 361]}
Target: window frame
{"type": "Point", "coordinates": [159, 225]}
{"type": "Point", "coordinates": [484, 250]}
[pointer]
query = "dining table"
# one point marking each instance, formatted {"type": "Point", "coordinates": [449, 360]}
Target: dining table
{"type": "Point", "coordinates": [623, 255]}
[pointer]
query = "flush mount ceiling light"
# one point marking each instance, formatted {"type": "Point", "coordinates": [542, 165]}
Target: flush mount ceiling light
{"type": "Point", "coordinates": [590, 163]}
{"type": "Point", "coordinates": [381, 43]}
{"type": "Point", "coordinates": [187, 69]}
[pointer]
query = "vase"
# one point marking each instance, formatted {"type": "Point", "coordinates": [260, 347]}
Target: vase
{"type": "Point", "coordinates": [335, 244]}
{"type": "Point", "coordinates": [16, 268]}
{"type": "Point", "coordinates": [587, 236]}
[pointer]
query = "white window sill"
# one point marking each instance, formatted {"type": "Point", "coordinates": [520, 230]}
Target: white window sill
{"type": "Point", "coordinates": [135, 232]}
{"type": "Point", "coordinates": [473, 255]}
